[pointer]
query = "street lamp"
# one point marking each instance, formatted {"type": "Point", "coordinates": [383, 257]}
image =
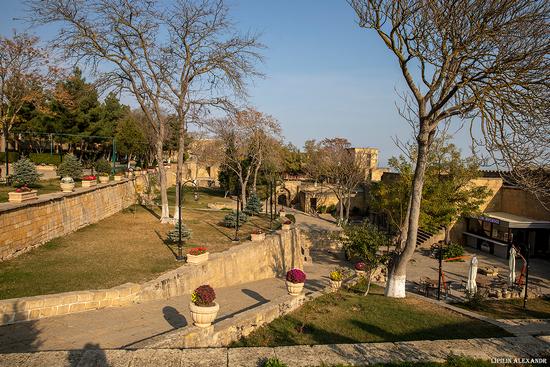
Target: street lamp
{"type": "Point", "coordinates": [180, 256]}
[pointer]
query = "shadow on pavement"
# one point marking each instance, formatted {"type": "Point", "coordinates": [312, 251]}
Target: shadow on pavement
{"type": "Point", "coordinates": [173, 317]}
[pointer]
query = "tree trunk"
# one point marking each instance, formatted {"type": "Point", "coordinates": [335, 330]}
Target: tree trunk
{"type": "Point", "coordinates": [341, 211]}
{"type": "Point", "coordinates": [395, 286]}
{"type": "Point", "coordinates": [255, 178]}
{"type": "Point", "coordinates": [447, 234]}
{"type": "Point", "coordinates": [165, 209]}
{"type": "Point", "coordinates": [348, 206]}
{"type": "Point", "coordinates": [179, 167]}
{"type": "Point", "coordinates": [243, 192]}
{"type": "Point", "coordinates": [404, 228]}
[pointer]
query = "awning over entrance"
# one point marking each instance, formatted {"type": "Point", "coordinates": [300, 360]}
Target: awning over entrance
{"type": "Point", "coordinates": [513, 221]}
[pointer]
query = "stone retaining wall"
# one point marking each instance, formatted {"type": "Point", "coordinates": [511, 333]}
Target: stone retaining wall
{"type": "Point", "coordinates": [225, 332]}
{"type": "Point", "coordinates": [30, 224]}
{"type": "Point", "coordinates": [244, 263]}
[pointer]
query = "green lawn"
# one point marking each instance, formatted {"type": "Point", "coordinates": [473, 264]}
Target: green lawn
{"type": "Point", "coordinates": [126, 247]}
{"type": "Point", "coordinates": [538, 308]}
{"type": "Point", "coordinates": [206, 196]}
{"type": "Point", "coordinates": [45, 187]}
{"type": "Point", "coordinates": [350, 317]}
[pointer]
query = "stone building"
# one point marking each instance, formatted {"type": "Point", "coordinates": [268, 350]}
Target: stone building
{"type": "Point", "coordinates": [510, 216]}
{"type": "Point", "coordinates": [312, 197]}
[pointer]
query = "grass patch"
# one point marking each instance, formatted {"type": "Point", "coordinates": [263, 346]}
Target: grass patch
{"type": "Point", "coordinates": [350, 317]}
{"type": "Point", "coordinates": [206, 196]}
{"type": "Point", "coordinates": [537, 308]}
{"type": "Point", "coordinates": [44, 187]}
{"type": "Point", "coordinates": [126, 247]}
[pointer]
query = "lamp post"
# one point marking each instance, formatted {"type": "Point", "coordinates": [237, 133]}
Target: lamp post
{"type": "Point", "coordinates": [440, 270]}
{"type": "Point", "coordinates": [526, 273]}
{"type": "Point", "coordinates": [179, 256]}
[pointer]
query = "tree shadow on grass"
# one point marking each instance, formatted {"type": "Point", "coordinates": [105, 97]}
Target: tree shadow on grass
{"type": "Point", "coordinates": [166, 243]}
{"type": "Point", "coordinates": [155, 214]}
{"type": "Point", "coordinates": [456, 330]}
{"type": "Point", "coordinates": [219, 230]}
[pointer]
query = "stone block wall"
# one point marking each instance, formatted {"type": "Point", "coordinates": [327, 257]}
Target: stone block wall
{"type": "Point", "coordinates": [30, 224]}
{"type": "Point", "coordinates": [244, 263]}
{"type": "Point", "coordinates": [240, 264]}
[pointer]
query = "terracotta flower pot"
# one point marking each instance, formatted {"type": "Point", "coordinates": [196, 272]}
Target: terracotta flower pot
{"type": "Point", "coordinates": [197, 259]}
{"type": "Point", "coordinates": [286, 227]}
{"type": "Point", "coordinates": [203, 316]}
{"type": "Point", "coordinates": [118, 178]}
{"type": "Point", "coordinates": [103, 179]}
{"type": "Point", "coordinates": [67, 187]}
{"type": "Point", "coordinates": [294, 289]}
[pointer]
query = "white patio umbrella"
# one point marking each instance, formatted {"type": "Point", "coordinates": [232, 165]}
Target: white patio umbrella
{"type": "Point", "coordinates": [512, 266]}
{"type": "Point", "coordinates": [471, 286]}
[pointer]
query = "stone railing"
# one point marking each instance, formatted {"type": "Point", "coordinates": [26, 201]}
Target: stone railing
{"type": "Point", "coordinates": [33, 223]}
{"type": "Point", "coordinates": [244, 263]}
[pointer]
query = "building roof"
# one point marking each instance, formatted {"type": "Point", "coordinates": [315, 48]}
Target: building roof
{"type": "Point", "coordinates": [516, 221]}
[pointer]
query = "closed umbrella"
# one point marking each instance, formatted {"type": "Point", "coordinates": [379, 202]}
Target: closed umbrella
{"type": "Point", "coordinates": [471, 286]}
{"type": "Point", "coordinates": [512, 266]}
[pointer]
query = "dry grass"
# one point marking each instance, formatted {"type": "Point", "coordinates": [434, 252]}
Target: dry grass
{"type": "Point", "coordinates": [126, 247]}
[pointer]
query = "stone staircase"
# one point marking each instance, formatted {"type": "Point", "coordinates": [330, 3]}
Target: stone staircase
{"type": "Point", "coordinates": [428, 236]}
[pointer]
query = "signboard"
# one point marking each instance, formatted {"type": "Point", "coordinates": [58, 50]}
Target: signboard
{"type": "Point", "coordinates": [489, 219]}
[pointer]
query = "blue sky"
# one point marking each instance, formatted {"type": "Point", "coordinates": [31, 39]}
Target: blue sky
{"type": "Point", "coordinates": [325, 76]}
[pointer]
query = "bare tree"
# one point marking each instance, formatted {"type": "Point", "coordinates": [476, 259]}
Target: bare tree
{"type": "Point", "coordinates": [121, 41]}
{"type": "Point", "coordinates": [209, 63]}
{"type": "Point", "coordinates": [25, 78]}
{"type": "Point", "coordinates": [336, 163]}
{"type": "Point", "coordinates": [245, 136]}
{"type": "Point", "coordinates": [483, 60]}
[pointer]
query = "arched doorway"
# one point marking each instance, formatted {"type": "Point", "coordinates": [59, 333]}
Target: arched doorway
{"type": "Point", "coordinates": [282, 200]}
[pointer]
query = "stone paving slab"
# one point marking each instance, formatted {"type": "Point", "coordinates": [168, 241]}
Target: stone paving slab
{"type": "Point", "coordinates": [294, 356]}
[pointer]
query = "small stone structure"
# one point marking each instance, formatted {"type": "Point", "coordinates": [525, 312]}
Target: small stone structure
{"type": "Point", "coordinates": [30, 224]}
{"type": "Point", "coordinates": [244, 263]}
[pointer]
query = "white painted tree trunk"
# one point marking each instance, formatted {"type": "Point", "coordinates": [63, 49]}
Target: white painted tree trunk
{"type": "Point", "coordinates": [395, 286]}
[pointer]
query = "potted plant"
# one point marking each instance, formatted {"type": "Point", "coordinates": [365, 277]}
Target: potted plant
{"type": "Point", "coordinates": [89, 181]}
{"type": "Point", "coordinates": [257, 235]}
{"type": "Point", "coordinates": [103, 168]}
{"type": "Point", "coordinates": [197, 255]}
{"type": "Point", "coordinates": [336, 276]}
{"type": "Point", "coordinates": [202, 306]}
{"type": "Point", "coordinates": [360, 268]}
{"type": "Point", "coordinates": [130, 173]}
{"type": "Point", "coordinates": [286, 225]}
{"type": "Point", "coordinates": [67, 184]}
{"type": "Point", "coordinates": [282, 213]}
{"type": "Point", "coordinates": [118, 176]}
{"type": "Point", "coordinates": [295, 279]}
{"type": "Point", "coordinates": [21, 194]}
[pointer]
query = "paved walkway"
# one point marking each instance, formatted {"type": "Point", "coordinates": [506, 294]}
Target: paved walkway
{"type": "Point", "coordinates": [294, 356]}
